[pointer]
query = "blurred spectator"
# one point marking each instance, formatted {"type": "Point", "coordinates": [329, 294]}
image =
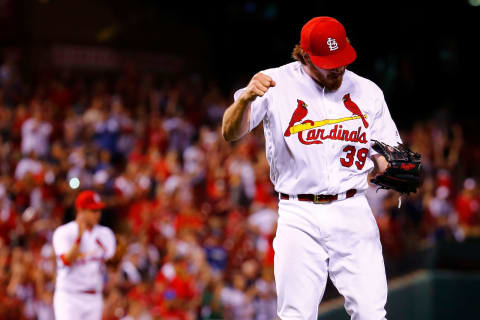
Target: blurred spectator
{"type": "Point", "coordinates": [441, 210]}
{"type": "Point", "coordinates": [265, 304]}
{"type": "Point", "coordinates": [236, 300]}
{"type": "Point", "coordinates": [467, 207]}
{"type": "Point", "coordinates": [36, 134]}
{"type": "Point", "coordinates": [215, 253]}
{"type": "Point", "coordinates": [242, 175]}
{"type": "Point", "coordinates": [212, 307]}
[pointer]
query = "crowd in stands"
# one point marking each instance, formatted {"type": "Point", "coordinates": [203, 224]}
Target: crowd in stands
{"type": "Point", "coordinates": [194, 216]}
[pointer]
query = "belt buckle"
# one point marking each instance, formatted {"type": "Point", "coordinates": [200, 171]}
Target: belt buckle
{"type": "Point", "coordinates": [320, 198]}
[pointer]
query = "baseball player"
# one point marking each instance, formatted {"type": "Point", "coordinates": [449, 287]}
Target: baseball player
{"type": "Point", "coordinates": [81, 247]}
{"type": "Point", "coordinates": [319, 119]}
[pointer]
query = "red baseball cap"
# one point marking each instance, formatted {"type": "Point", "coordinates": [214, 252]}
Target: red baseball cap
{"type": "Point", "coordinates": [89, 200]}
{"type": "Point", "coordinates": [325, 41]}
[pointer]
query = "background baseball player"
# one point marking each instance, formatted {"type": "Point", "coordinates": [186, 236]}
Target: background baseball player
{"type": "Point", "coordinates": [81, 247]}
{"type": "Point", "coordinates": [319, 119]}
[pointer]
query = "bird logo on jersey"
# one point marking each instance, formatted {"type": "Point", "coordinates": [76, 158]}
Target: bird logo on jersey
{"type": "Point", "coordinates": [298, 115]}
{"type": "Point", "coordinates": [315, 135]}
{"type": "Point", "coordinates": [353, 108]}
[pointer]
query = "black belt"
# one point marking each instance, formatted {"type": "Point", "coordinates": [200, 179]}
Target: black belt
{"type": "Point", "coordinates": [318, 198]}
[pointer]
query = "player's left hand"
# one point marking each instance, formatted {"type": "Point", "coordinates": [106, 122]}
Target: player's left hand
{"type": "Point", "coordinates": [381, 164]}
{"type": "Point", "coordinates": [403, 171]}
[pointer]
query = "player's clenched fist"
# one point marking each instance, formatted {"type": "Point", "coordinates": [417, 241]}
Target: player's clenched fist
{"type": "Point", "coordinates": [236, 118]}
{"type": "Point", "coordinates": [257, 86]}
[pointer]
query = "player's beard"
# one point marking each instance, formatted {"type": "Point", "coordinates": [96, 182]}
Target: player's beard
{"type": "Point", "coordinates": [331, 82]}
{"type": "Point", "coordinates": [329, 79]}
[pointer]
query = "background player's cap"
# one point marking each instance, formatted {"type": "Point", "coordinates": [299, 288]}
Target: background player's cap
{"type": "Point", "coordinates": [89, 200]}
{"type": "Point", "coordinates": [325, 41]}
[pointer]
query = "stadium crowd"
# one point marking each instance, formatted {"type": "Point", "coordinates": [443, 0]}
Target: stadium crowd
{"type": "Point", "coordinates": [193, 215]}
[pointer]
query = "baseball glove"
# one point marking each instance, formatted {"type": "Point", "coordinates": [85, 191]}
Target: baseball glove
{"type": "Point", "coordinates": [403, 173]}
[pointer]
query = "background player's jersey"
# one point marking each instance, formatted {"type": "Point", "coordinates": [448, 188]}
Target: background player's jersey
{"type": "Point", "coordinates": [319, 141]}
{"type": "Point", "coordinates": [86, 273]}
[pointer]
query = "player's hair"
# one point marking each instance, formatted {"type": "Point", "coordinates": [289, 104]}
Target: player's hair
{"type": "Point", "coordinates": [298, 53]}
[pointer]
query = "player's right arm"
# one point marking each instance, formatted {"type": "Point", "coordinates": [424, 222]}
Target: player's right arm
{"type": "Point", "coordinates": [236, 118]}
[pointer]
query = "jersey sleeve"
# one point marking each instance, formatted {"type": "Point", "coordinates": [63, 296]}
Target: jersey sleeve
{"type": "Point", "coordinates": [384, 128]}
{"type": "Point", "coordinates": [258, 109]}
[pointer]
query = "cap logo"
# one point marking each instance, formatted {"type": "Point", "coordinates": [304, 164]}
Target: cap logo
{"type": "Point", "coordinates": [332, 44]}
{"type": "Point", "coordinates": [96, 197]}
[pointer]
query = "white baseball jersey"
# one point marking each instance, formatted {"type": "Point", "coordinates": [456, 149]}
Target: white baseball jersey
{"type": "Point", "coordinates": [317, 141]}
{"type": "Point", "coordinates": [86, 273]}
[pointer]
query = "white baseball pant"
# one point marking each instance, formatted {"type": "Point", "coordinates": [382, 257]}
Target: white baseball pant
{"type": "Point", "coordinates": [340, 239]}
{"type": "Point", "coordinates": [77, 306]}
